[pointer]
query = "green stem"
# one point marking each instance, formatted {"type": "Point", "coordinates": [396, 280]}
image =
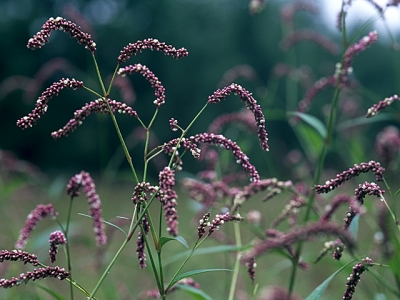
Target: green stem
{"type": "Point", "coordinates": [99, 75]}
{"type": "Point", "coordinates": [67, 245]}
{"type": "Point", "coordinates": [235, 273]}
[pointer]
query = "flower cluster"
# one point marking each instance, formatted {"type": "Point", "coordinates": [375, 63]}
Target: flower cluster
{"type": "Point", "coordinates": [360, 193]}
{"type": "Point", "coordinates": [84, 180]}
{"type": "Point", "coordinates": [251, 104]}
{"type": "Point", "coordinates": [140, 243]}
{"type": "Point", "coordinates": [350, 173]}
{"type": "Point", "coordinates": [159, 89]}
{"type": "Point", "coordinates": [41, 104]}
{"type": "Point", "coordinates": [97, 106]}
{"type": "Point", "coordinates": [272, 185]}
{"type": "Point", "coordinates": [42, 37]}
{"type": "Point", "coordinates": [221, 219]}
{"type": "Point", "coordinates": [40, 212]}
{"type": "Point", "coordinates": [36, 274]}
{"type": "Point", "coordinates": [56, 238]}
{"type": "Point", "coordinates": [344, 68]}
{"type": "Point", "coordinates": [376, 108]}
{"type": "Point", "coordinates": [251, 268]}
{"type": "Point", "coordinates": [388, 144]}
{"type": "Point", "coordinates": [168, 199]}
{"type": "Point", "coordinates": [140, 190]}
{"type": "Point", "coordinates": [152, 44]}
{"type": "Point", "coordinates": [290, 9]}
{"type": "Point", "coordinates": [173, 124]}
{"type": "Point", "coordinates": [18, 255]}
{"type": "Point", "coordinates": [336, 202]}
{"type": "Point", "coordinates": [201, 230]}
{"type": "Point", "coordinates": [355, 277]}
{"type": "Point", "coordinates": [309, 35]}
{"type": "Point", "coordinates": [303, 234]}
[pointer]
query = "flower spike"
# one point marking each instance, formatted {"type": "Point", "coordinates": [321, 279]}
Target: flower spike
{"type": "Point", "coordinates": [59, 23]}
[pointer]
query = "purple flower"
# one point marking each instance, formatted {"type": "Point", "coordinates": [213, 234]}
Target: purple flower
{"type": "Point", "coordinates": [360, 193]}
{"type": "Point", "coordinates": [309, 35]}
{"type": "Point", "coordinates": [42, 37]}
{"type": "Point", "coordinates": [173, 124]}
{"type": "Point", "coordinates": [16, 255]}
{"type": "Point", "coordinates": [336, 202]}
{"type": "Point", "coordinates": [344, 68]}
{"type": "Point", "coordinates": [288, 11]}
{"type": "Point", "coordinates": [350, 173]}
{"type": "Point", "coordinates": [41, 103]}
{"type": "Point", "coordinates": [376, 108]}
{"type": "Point", "coordinates": [355, 277]}
{"type": "Point", "coordinates": [168, 199]}
{"type": "Point", "coordinates": [251, 268]}
{"type": "Point", "coordinates": [251, 104]}
{"type": "Point", "coordinates": [140, 243]}
{"type": "Point", "coordinates": [318, 86]}
{"type": "Point", "coordinates": [300, 234]}
{"type": "Point", "coordinates": [159, 89]}
{"type": "Point", "coordinates": [221, 219]}
{"type": "Point", "coordinates": [140, 190]}
{"type": "Point", "coordinates": [271, 184]}
{"type": "Point", "coordinates": [388, 144]}
{"type": "Point", "coordinates": [97, 106]}
{"type": "Point", "coordinates": [201, 230]}
{"type": "Point", "coordinates": [36, 274]}
{"type": "Point", "coordinates": [84, 180]}
{"type": "Point", "coordinates": [56, 238]}
{"type": "Point", "coordinates": [40, 212]}
{"type": "Point", "coordinates": [152, 44]}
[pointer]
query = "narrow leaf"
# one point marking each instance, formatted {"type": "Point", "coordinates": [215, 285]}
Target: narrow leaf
{"type": "Point", "coordinates": [208, 250]}
{"type": "Point", "coordinates": [50, 292]}
{"type": "Point", "coordinates": [363, 121]}
{"type": "Point", "coordinates": [194, 272]}
{"type": "Point", "coordinates": [312, 121]}
{"type": "Point", "coordinates": [193, 292]}
{"type": "Point", "coordinates": [180, 239]}
{"type": "Point", "coordinates": [319, 291]}
{"type": "Point", "coordinates": [398, 192]}
{"type": "Point", "coordinates": [105, 222]}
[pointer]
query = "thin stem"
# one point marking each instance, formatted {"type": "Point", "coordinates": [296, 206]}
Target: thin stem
{"type": "Point", "coordinates": [112, 80]}
{"type": "Point", "coordinates": [99, 75]}
{"type": "Point", "coordinates": [67, 245]}
{"type": "Point", "coordinates": [235, 273]}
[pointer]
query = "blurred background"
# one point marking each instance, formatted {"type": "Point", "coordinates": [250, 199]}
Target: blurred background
{"type": "Point", "coordinates": [247, 42]}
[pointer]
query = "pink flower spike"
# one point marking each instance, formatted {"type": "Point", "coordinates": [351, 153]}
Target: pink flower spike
{"type": "Point", "coordinates": [159, 89]}
{"type": "Point", "coordinates": [59, 23]}
{"type": "Point", "coordinates": [152, 44]}
{"type": "Point", "coordinates": [84, 180]}
{"type": "Point", "coordinates": [251, 104]}
{"type": "Point", "coordinates": [40, 212]}
{"type": "Point", "coordinates": [41, 104]}
{"type": "Point", "coordinates": [168, 199]}
{"type": "Point", "coordinates": [97, 106]}
{"type": "Point", "coordinates": [376, 108]}
{"type": "Point", "coordinates": [56, 238]}
{"type": "Point", "coordinates": [18, 255]}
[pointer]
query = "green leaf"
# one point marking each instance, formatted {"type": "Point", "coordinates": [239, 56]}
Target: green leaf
{"type": "Point", "coordinates": [194, 272]}
{"type": "Point", "coordinates": [105, 222]}
{"type": "Point", "coordinates": [353, 228]}
{"type": "Point", "coordinates": [193, 292]}
{"type": "Point", "coordinates": [312, 121]}
{"type": "Point", "coordinates": [51, 292]}
{"type": "Point", "coordinates": [319, 291]}
{"type": "Point", "coordinates": [180, 239]}
{"type": "Point", "coordinates": [208, 250]}
{"type": "Point", "coordinates": [363, 121]}
{"type": "Point", "coordinates": [398, 191]}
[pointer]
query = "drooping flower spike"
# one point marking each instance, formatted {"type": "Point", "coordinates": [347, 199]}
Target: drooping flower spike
{"type": "Point", "coordinates": [40, 212]}
{"type": "Point", "coordinates": [41, 104]}
{"type": "Point", "coordinates": [97, 106]}
{"type": "Point", "coordinates": [168, 199]}
{"type": "Point", "coordinates": [56, 238]}
{"type": "Point", "coordinates": [355, 277]}
{"type": "Point", "coordinates": [159, 89]}
{"type": "Point", "coordinates": [83, 179]}
{"type": "Point", "coordinates": [18, 255]}
{"type": "Point", "coordinates": [372, 166]}
{"type": "Point", "coordinates": [140, 243]}
{"type": "Point", "coordinates": [152, 44]}
{"type": "Point", "coordinates": [36, 274]}
{"type": "Point", "coordinates": [309, 35]}
{"type": "Point", "coordinates": [300, 234]}
{"type": "Point", "coordinates": [59, 23]}
{"type": "Point", "coordinates": [251, 104]}
{"type": "Point", "coordinates": [376, 108]}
